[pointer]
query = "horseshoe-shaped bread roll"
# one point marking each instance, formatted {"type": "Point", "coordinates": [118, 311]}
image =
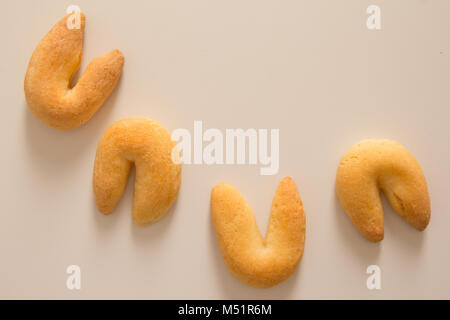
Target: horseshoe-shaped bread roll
{"type": "Point", "coordinates": [256, 261]}
{"type": "Point", "coordinates": [374, 165]}
{"type": "Point", "coordinates": [53, 63]}
{"type": "Point", "coordinates": [149, 146]}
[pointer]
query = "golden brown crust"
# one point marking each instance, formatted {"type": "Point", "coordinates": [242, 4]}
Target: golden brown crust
{"type": "Point", "coordinates": [374, 165]}
{"type": "Point", "coordinates": [256, 261]}
{"type": "Point", "coordinates": [52, 65]}
{"type": "Point", "coordinates": [149, 146]}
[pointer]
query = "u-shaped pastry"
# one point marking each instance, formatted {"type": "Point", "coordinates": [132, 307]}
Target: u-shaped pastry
{"type": "Point", "coordinates": [149, 146]}
{"type": "Point", "coordinates": [50, 70]}
{"type": "Point", "coordinates": [374, 165]}
{"type": "Point", "coordinates": [256, 261]}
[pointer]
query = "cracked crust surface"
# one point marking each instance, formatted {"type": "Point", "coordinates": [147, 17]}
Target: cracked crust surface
{"type": "Point", "coordinates": [254, 260]}
{"type": "Point", "coordinates": [373, 165]}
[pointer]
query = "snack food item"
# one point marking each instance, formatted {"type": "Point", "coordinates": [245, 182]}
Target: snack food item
{"type": "Point", "coordinates": [50, 70]}
{"type": "Point", "coordinates": [374, 165]}
{"type": "Point", "coordinates": [256, 261]}
{"type": "Point", "coordinates": [149, 146]}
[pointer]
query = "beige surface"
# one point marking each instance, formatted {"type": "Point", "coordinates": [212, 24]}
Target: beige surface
{"type": "Point", "coordinates": [311, 69]}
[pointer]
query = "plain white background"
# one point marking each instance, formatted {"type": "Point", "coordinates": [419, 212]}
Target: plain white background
{"type": "Point", "coordinates": [309, 68]}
